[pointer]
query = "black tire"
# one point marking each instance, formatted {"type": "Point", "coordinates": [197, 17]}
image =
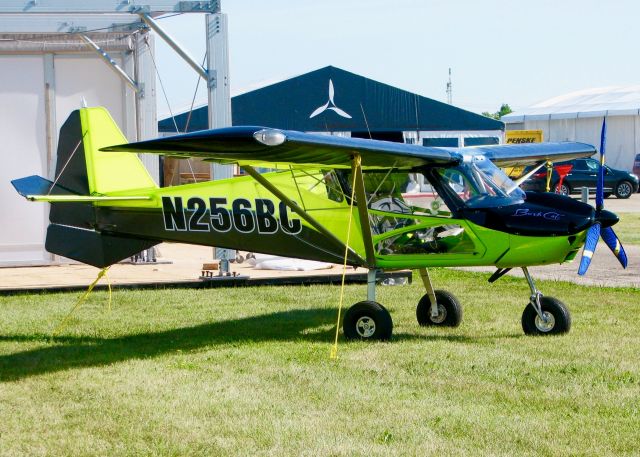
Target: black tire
{"type": "Point", "coordinates": [560, 323]}
{"type": "Point", "coordinates": [449, 309]}
{"type": "Point", "coordinates": [564, 189]}
{"type": "Point", "coordinates": [623, 189]}
{"type": "Point", "coordinates": [606, 194]}
{"type": "Point", "coordinates": [368, 321]}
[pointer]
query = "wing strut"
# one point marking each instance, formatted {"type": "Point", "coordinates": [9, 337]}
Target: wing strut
{"type": "Point", "coordinates": [294, 207]}
{"type": "Point", "coordinates": [363, 212]}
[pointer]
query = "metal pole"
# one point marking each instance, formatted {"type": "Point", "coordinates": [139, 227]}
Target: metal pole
{"type": "Point", "coordinates": [585, 195]}
{"type": "Point", "coordinates": [219, 98]}
{"type": "Point", "coordinates": [112, 63]}
{"type": "Point", "coordinates": [153, 25]}
{"type": "Point", "coordinates": [218, 83]}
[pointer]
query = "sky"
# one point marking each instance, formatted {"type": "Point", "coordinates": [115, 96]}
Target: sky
{"type": "Point", "coordinates": [499, 51]}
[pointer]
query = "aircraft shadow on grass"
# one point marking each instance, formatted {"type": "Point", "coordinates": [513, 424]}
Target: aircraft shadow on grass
{"type": "Point", "coordinates": [82, 352]}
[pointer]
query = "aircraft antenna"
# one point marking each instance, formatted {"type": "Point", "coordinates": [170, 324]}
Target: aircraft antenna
{"type": "Point", "coordinates": [449, 89]}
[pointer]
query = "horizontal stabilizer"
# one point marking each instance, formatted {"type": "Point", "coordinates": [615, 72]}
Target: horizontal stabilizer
{"type": "Point", "coordinates": [37, 185]}
{"type": "Point", "coordinates": [38, 189]}
{"type": "Point", "coordinates": [81, 198]}
{"type": "Point", "coordinates": [90, 247]}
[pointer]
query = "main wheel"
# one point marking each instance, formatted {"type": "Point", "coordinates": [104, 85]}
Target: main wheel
{"type": "Point", "coordinates": [449, 310]}
{"type": "Point", "coordinates": [565, 189]}
{"type": "Point", "coordinates": [556, 312]}
{"type": "Point", "coordinates": [367, 320]}
{"type": "Point", "coordinates": [623, 189]}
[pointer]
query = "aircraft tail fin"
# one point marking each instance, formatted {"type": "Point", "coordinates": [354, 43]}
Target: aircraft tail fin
{"type": "Point", "coordinates": [84, 169]}
{"type": "Point", "coordinates": [85, 175]}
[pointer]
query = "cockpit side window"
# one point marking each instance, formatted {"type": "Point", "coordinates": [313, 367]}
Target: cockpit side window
{"type": "Point", "coordinates": [395, 196]}
{"type": "Point", "coordinates": [403, 192]}
{"type": "Point", "coordinates": [479, 183]}
{"type": "Point", "coordinates": [462, 185]}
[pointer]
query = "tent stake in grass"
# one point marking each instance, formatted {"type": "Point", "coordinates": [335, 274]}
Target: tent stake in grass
{"type": "Point", "coordinates": [83, 297]}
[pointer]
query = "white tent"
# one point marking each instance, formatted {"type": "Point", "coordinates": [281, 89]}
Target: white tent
{"type": "Point", "coordinates": [577, 116]}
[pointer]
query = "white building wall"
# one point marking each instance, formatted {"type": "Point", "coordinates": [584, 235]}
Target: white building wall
{"type": "Point", "coordinates": [23, 153]}
{"type": "Point", "coordinates": [26, 82]}
{"type": "Point", "coordinates": [622, 135]}
{"type": "Point", "coordinates": [98, 87]}
{"type": "Point", "coordinates": [620, 149]}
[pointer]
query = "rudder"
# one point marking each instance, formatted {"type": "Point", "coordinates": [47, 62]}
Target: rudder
{"type": "Point", "coordinates": [83, 169]}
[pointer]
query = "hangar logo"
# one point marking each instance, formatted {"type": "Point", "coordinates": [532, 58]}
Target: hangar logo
{"type": "Point", "coordinates": [330, 105]}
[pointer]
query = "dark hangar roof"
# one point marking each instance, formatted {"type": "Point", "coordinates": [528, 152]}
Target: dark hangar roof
{"type": "Point", "coordinates": [331, 99]}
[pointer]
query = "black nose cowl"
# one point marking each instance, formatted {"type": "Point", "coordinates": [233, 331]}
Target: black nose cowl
{"type": "Point", "coordinates": [606, 218]}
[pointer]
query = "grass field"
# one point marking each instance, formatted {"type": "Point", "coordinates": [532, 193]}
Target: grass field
{"type": "Point", "coordinates": [628, 229]}
{"type": "Point", "coordinates": [247, 372]}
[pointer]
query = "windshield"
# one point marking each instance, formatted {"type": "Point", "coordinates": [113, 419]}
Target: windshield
{"type": "Point", "coordinates": [481, 184]}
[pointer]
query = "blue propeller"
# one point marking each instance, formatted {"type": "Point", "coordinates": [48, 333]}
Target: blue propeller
{"type": "Point", "coordinates": [596, 231]}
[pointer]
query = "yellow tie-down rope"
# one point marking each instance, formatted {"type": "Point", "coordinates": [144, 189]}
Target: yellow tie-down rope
{"type": "Point", "coordinates": [82, 298]}
{"type": "Point", "coordinates": [334, 349]}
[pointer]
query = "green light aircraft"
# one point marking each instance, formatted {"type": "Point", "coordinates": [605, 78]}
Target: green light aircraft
{"type": "Point", "coordinates": [411, 207]}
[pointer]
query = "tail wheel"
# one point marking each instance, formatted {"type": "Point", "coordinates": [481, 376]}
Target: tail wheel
{"type": "Point", "coordinates": [367, 320]}
{"type": "Point", "coordinates": [558, 318]}
{"type": "Point", "coordinates": [449, 310]}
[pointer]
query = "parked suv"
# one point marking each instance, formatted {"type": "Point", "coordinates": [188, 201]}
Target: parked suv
{"type": "Point", "coordinates": [584, 173]}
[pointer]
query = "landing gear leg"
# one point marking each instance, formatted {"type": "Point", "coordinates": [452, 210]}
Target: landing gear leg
{"type": "Point", "coordinates": [371, 284]}
{"type": "Point", "coordinates": [544, 315]}
{"type": "Point", "coordinates": [431, 293]}
{"type": "Point", "coordinates": [368, 320]}
{"type": "Point", "coordinates": [536, 295]}
{"type": "Point", "coordinates": [437, 307]}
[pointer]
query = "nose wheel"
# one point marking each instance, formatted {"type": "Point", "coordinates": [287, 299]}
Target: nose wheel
{"type": "Point", "coordinates": [555, 318]}
{"type": "Point", "coordinates": [544, 315]}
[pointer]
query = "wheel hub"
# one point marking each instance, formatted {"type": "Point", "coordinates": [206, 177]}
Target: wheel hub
{"type": "Point", "coordinates": [366, 327]}
{"type": "Point", "coordinates": [442, 315]}
{"type": "Point", "coordinates": [547, 326]}
{"type": "Point", "coordinates": [624, 189]}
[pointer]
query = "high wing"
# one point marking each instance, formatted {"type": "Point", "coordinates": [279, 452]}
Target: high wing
{"type": "Point", "coordinates": [259, 145]}
{"type": "Point", "coordinates": [508, 155]}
